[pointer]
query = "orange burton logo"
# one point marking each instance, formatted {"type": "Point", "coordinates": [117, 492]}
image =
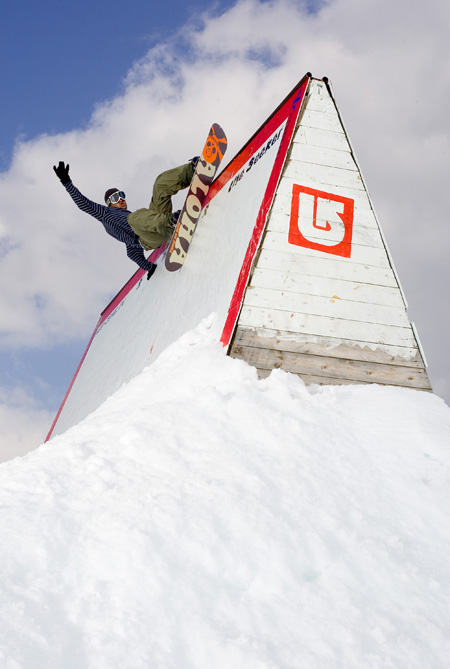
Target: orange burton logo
{"type": "Point", "coordinates": [321, 221]}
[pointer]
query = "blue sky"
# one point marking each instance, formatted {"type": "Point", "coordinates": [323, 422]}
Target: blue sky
{"type": "Point", "coordinates": [113, 90]}
{"type": "Point", "coordinates": [58, 59]}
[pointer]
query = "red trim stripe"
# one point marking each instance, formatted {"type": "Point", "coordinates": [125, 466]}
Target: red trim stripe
{"type": "Point", "coordinates": [289, 110]}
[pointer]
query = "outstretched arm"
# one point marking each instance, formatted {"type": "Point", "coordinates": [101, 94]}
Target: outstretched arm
{"type": "Point", "coordinates": [82, 202]}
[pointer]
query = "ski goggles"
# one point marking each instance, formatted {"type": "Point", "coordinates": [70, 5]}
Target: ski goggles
{"type": "Point", "coordinates": [115, 197]}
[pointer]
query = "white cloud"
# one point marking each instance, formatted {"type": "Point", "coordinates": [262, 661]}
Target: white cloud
{"type": "Point", "coordinates": [389, 66]}
{"type": "Point", "coordinates": [23, 424]}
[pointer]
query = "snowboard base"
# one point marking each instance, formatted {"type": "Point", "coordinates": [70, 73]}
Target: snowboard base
{"type": "Point", "coordinates": [205, 171]}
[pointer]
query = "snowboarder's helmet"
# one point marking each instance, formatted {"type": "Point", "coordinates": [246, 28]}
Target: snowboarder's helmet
{"type": "Point", "coordinates": [109, 192]}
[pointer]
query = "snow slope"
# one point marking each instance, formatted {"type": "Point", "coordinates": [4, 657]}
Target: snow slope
{"type": "Point", "coordinates": [203, 518]}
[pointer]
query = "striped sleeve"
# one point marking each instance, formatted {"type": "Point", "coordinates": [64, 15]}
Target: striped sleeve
{"type": "Point", "coordinates": [83, 203]}
{"type": "Point", "coordinates": [137, 255]}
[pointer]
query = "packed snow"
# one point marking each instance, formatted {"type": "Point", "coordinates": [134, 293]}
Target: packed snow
{"type": "Point", "coordinates": [204, 518]}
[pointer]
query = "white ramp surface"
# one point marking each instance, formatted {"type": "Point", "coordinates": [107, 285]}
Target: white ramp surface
{"type": "Point", "coordinates": [147, 316]}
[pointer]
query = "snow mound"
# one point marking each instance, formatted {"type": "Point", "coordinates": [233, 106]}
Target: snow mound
{"type": "Point", "coordinates": [203, 518]}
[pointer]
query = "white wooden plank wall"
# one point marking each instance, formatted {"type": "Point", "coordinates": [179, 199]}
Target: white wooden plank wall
{"type": "Point", "coordinates": [328, 318]}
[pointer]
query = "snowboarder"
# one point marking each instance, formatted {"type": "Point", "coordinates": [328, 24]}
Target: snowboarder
{"type": "Point", "coordinates": [145, 228]}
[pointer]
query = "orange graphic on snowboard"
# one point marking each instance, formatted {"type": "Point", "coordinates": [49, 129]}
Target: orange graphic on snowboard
{"type": "Point", "coordinates": [212, 148]}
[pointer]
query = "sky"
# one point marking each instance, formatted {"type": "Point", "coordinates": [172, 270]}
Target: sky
{"type": "Point", "coordinates": [116, 95]}
{"type": "Point", "coordinates": [273, 526]}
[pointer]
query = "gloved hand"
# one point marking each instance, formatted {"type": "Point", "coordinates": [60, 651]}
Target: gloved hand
{"type": "Point", "coordinates": [151, 271]}
{"type": "Point", "coordinates": [62, 172]}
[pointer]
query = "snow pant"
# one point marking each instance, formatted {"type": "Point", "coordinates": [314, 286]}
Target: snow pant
{"type": "Point", "coordinates": [153, 225]}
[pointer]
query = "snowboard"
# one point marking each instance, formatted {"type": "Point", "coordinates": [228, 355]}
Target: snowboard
{"type": "Point", "coordinates": [206, 169]}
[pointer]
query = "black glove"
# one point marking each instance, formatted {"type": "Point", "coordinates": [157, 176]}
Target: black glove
{"type": "Point", "coordinates": [62, 172]}
{"type": "Point", "coordinates": [151, 271]}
